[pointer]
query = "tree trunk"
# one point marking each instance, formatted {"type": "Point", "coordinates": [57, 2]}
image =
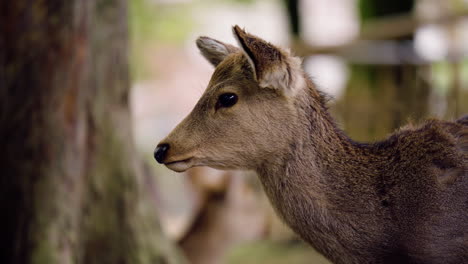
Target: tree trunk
{"type": "Point", "coordinates": [71, 186]}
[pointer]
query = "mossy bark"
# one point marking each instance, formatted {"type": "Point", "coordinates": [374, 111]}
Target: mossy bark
{"type": "Point", "coordinates": [71, 186]}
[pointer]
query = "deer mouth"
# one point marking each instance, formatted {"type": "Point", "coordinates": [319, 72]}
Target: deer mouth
{"type": "Point", "coordinates": [180, 165]}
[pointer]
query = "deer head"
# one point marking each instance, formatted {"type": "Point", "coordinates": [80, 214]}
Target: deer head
{"type": "Point", "coordinates": [248, 112]}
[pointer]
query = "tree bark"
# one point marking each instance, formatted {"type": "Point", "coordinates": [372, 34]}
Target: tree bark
{"type": "Point", "coordinates": [71, 187]}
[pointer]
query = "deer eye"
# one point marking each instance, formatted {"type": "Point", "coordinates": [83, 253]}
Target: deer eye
{"type": "Point", "coordinates": [226, 100]}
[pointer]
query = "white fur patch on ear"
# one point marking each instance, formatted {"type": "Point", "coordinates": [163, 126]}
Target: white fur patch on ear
{"type": "Point", "coordinates": [277, 78]}
{"type": "Point", "coordinates": [213, 50]}
{"type": "Point", "coordinates": [286, 76]}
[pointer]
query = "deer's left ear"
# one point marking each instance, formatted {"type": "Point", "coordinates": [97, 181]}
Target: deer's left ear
{"type": "Point", "coordinates": [214, 50]}
{"type": "Point", "coordinates": [272, 67]}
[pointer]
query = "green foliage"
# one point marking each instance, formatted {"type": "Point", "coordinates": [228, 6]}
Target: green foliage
{"type": "Point", "coordinates": [155, 24]}
{"type": "Point", "coordinates": [44, 253]}
{"type": "Point", "coordinates": [443, 74]}
{"type": "Point", "coordinates": [242, 1]}
{"type": "Point", "coordinates": [372, 9]}
{"type": "Point", "coordinates": [364, 73]}
{"type": "Point", "coordinates": [267, 252]}
{"type": "Point", "coordinates": [163, 23]}
{"type": "Point", "coordinates": [210, 2]}
{"type": "Point", "coordinates": [459, 5]}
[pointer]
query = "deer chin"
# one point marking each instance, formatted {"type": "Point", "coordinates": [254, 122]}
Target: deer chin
{"type": "Point", "coordinates": [180, 165]}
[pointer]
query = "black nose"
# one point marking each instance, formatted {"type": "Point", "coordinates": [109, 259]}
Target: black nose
{"type": "Point", "coordinates": [160, 152]}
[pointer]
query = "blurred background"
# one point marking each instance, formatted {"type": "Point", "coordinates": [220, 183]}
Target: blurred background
{"type": "Point", "coordinates": [88, 88]}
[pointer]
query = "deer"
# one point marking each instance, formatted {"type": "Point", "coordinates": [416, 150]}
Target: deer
{"type": "Point", "coordinates": [400, 200]}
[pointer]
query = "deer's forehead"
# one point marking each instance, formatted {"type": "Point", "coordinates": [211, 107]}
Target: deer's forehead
{"type": "Point", "coordinates": [234, 68]}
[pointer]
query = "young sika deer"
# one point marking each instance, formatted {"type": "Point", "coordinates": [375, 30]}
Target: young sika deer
{"type": "Point", "coordinates": [402, 200]}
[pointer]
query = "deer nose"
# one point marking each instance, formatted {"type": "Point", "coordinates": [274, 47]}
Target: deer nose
{"type": "Point", "coordinates": [160, 152]}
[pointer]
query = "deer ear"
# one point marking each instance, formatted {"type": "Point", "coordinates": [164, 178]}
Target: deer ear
{"type": "Point", "coordinates": [214, 50]}
{"type": "Point", "coordinates": [272, 67]}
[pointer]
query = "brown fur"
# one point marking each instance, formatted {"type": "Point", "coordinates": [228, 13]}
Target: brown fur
{"type": "Point", "coordinates": [402, 200]}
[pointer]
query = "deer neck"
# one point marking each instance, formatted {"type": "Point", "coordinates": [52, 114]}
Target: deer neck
{"type": "Point", "coordinates": [313, 180]}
